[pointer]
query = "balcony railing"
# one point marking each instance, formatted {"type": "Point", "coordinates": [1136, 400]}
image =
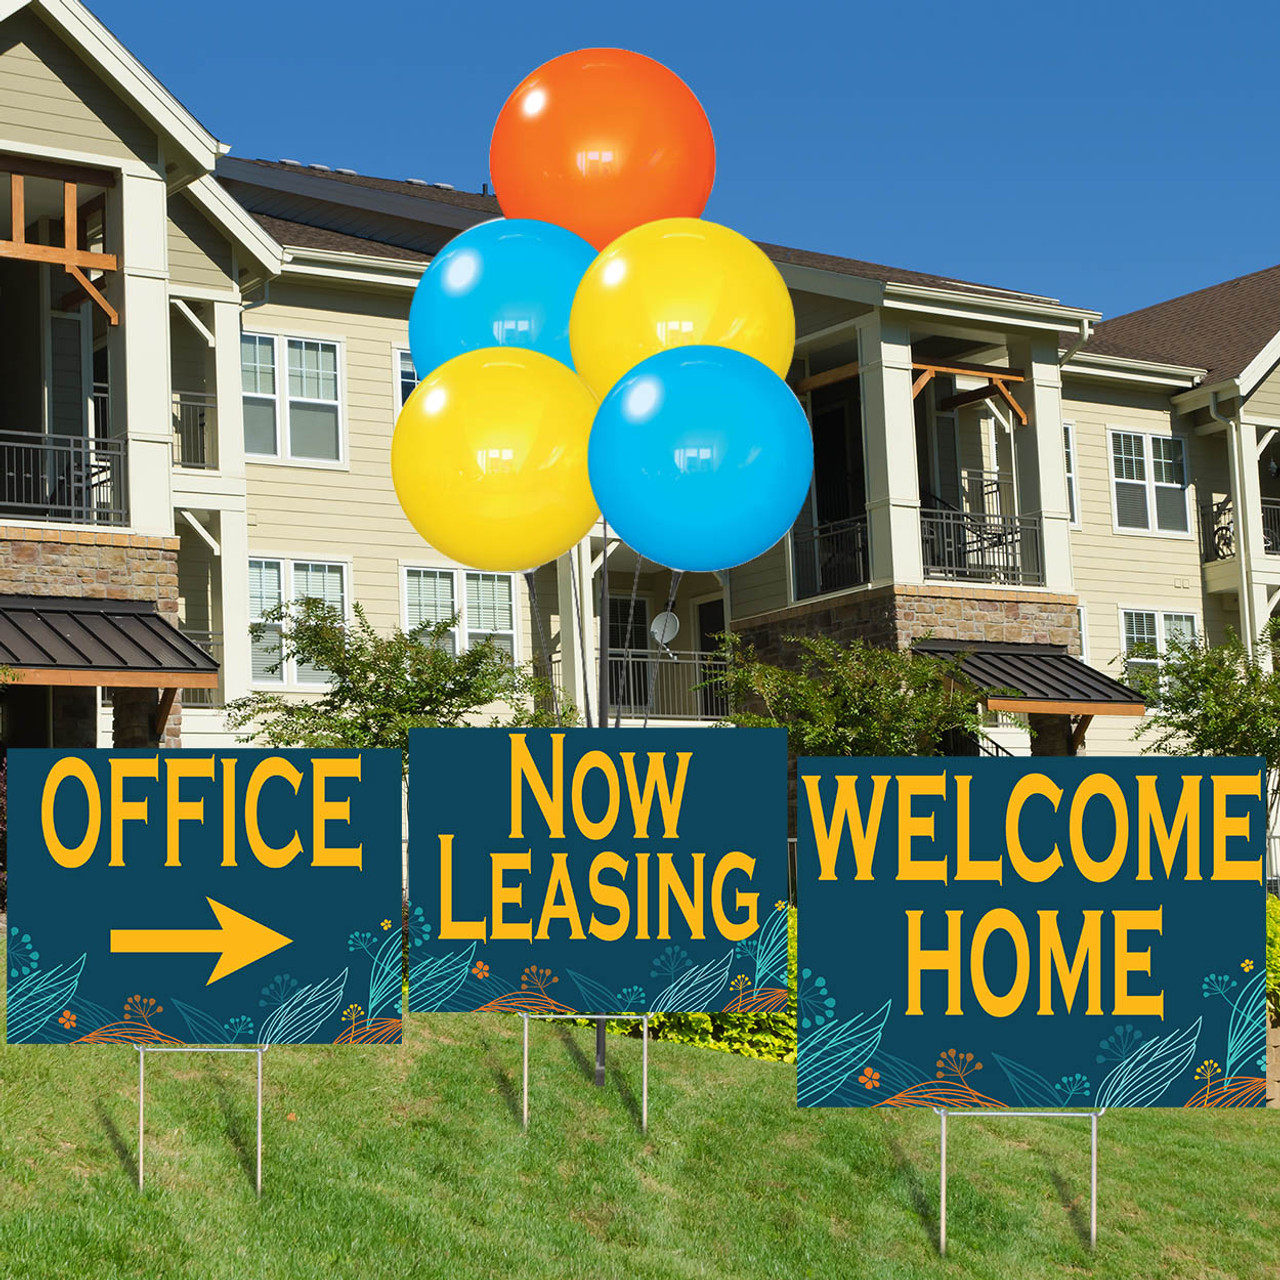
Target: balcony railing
{"type": "Point", "coordinates": [1218, 530]}
{"type": "Point", "coordinates": [195, 430]}
{"type": "Point", "coordinates": [831, 557]}
{"type": "Point", "coordinates": [975, 546]}
{"type": "Point", "coordinates": [73, 479]}
{"type": "Point", "coordinates": [663, 685]}
{"type": "Point", "coordinates": [211, 643]}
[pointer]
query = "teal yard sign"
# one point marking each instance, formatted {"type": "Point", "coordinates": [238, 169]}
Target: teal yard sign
{"type": "Point", "coordinates": [1031, 933]}
{"type": "Point", "coordinates": [598, 870]}
{"type": "Point", "coordinates": [196, 897]}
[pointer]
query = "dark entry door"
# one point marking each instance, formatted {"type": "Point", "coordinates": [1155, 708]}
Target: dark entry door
{"type": "Point", "coordinates": [714, 704]}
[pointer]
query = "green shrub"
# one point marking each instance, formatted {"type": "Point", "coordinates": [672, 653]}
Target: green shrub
{"type": "Point", "coordinates": [1273, 956]}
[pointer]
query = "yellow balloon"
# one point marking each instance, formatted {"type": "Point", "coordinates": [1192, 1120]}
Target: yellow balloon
{"type": "Point", "coordinates": [678, 282]}
{"type": "Point", "coordinates": [489, 459]}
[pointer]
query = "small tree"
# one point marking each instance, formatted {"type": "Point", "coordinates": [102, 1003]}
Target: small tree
{"type": "Point", "coordinates": [380, 687]}
{"type": "Point", "coordinates": [1215, 700]}
{"type": "Point", "coordinates": [853, 699]}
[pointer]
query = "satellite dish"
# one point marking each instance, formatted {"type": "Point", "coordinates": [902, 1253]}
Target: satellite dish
{"type": "Point", "coordinates": [664, 628]}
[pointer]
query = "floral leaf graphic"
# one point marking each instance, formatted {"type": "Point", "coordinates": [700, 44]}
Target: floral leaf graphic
{"type": "Point", "coordinates": [694, 989]}
{"type": "Point", "coordinates": [387, 974]}
{"type": "Point", "coordinates": [304, 1011]}
{"type": "Point", "coordinates": [433, 980]}
{"type": "Point", "coordinates": [1247, 1030]}
{"type": "Point", "coordinates": [771, 954]}
{"type": "Point", "coordinates": [1029, 1087]}
{"type": "Point", "coordinates": [35, 999]}
{"type": "Point", "coordinates": [1148, 1071]}
{"type": "Point", "coordinates": [834, 1051]}
{"type": "Point", "coordinates": [598, 999]}
{"type": "Point", "coordinates": [202, 1027]}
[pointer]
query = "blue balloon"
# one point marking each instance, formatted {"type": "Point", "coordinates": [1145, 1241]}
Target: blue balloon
{"type": "Point", "coordinates": [505, 283]}
{"type": "Point", "coordinates": [700, 458]}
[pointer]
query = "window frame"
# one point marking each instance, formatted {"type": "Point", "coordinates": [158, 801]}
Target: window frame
{"type": "Point", "coordinates": [1071, 451]}
{"type": "Point", "coordinates": [1160, 612]}
{"type": "Point", "coordinates": [284, 455]}
{"type": "Point", "coordinates": [462, 632]}
{"type": "Point", "coordinates": [288, 676]}
{"type": "Point", "coordinates": [1150, 484]}
{"type": "Point", "coordinates": [398, 352]}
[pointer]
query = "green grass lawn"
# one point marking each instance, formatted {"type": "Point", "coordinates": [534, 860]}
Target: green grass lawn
{"type": "Point", "coordinates": [410, 1161]}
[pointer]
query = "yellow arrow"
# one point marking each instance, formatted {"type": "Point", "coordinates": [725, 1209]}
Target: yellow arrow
{"type": "Point", "coordinates": [237, 941]}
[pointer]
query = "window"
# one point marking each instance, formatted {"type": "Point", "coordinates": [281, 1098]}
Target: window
{"type": "Point", "coordinates": [1147, 635]}
{"type": "Point", "coordinates": [1083, 623]}
{"type": "Point", "coordinates": [1069, 446]}
{"type": "Point", "coordinates": [484, 601]}
{"type": "Point", "coordinates": [1149, 476]}
{"type": "Point", "coordinates": [274, 582]}
{"type": "Point", "coordinates": [297, 418]}
{"type": "Point", "coordinates": [407, 376]}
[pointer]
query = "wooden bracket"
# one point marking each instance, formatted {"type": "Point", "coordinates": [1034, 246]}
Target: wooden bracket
{"type": "Point", "coordinates": [1080, 729]}
{"type": "Point", "coordinates": [921, 382]}
{"type": "Point", "coordinates": [162, 711]}
{"type": "Point", "coordinates": [91, 290]}
{"type": "Point", "coordinates": [1013, 404]}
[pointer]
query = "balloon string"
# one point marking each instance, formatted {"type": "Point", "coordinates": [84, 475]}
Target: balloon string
{"type": "Point", "coordinates": [671, 599]}
{"type": "Point", "coordinates": [582, 644]}
{"type": "Point", "coordinates": [542, 643]}
{"type": "Point", "coordinates": [626, 637]}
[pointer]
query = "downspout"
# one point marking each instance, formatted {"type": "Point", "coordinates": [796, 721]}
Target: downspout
{"type": "Point", "coordinates": [1235, 464]}
{"type": "Point", "coordinates": [1086, 332]}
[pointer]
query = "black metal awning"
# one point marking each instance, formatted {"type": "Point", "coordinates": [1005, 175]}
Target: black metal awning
{"type": "Point", "coordinates": [54, 640]}
{"type": "Point", "coordinates": [1036, 678]}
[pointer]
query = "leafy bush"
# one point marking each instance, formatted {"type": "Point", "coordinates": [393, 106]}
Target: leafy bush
{"type": "Point", "coordinates": [1273, 956]}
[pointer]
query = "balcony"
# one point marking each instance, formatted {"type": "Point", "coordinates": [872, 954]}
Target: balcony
{"type": "Point", "coordinates": [646, 683]}
{"type": "Point", "coordinates": [211, 643]}
{"type": "Point", "coordinates": [68, 479]}
{"type": "Point", "coordinates": [979, 546]}
{"type": "Point", "coordinates": [1218, 532]}
{"type": "Point", "coordinates": [831, 557]}
{"type": "Point", "coordinates": [195, 431]}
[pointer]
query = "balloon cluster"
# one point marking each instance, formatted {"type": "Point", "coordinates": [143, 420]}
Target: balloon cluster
{"type": "Point", "coordinates": [602, 348]}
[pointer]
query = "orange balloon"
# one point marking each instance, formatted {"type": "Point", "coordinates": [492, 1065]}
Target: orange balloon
{"type": "Point", "coordinates": [599, 141]}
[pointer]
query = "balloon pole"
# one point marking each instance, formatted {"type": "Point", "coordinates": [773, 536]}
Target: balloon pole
{"type": "Point", "coordinates": [603, 707]}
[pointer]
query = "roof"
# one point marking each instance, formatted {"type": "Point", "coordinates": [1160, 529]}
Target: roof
{"type": "Point", "coordinates": [301, 235]}
{"type": "Point", "coordinates": [1024, 675]}
{"type": "Point", "coordinates": [55, 640]}
{"type": "Point", "coordinates": [1221, 329]}
{"type": "Point", "coordinates": [481, 203]}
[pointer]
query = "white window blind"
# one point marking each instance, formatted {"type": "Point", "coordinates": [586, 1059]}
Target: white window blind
{"type": "Point", "coordinates": [490, 611]}
{"type": "Point", "coordinates": [429, 599]}
{"type": "Point", "coordinates": [318, 581]}
{"type": "Point", "coordinates": [1149, 474]}
{"type": "Point", "coordinates": [265, 594]}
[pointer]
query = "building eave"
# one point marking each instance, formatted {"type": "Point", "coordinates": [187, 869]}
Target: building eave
{"type": "Point", "coordinates": [249, 237]}
{"type": "Point", "coordinates": [352, 268]}
{"type": "Point", "coordinates": [1127, 369]}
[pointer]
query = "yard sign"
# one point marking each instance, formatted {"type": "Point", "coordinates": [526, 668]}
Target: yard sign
{"type": "Point", "coordinates": [1031, 932]}
{"type": "Point", "coordinates": [195, 897]}
{"type": "Point", "coordinates": [598, 870]}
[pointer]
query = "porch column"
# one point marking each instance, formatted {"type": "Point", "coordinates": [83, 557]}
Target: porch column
{"type": "Point", "coordinates": [140, 349]}
{"type": "Point", "coordinates": [1251, 539]}
{"type": "Point", "coordinates": [1040, 456]}
{"type": "Point", "coordinates": [570, 652]}
{"type": "Point", "coordinates": [889, 436]}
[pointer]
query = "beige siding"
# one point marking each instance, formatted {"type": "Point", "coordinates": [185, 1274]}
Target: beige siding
{"type": "Point", "coordinates": [198, 255]}
{"type": "Point", "coordinates": [49, 97]}
{"type": "Point", "coordinates": [1265, 400]}
{"type": "Point", "coordinates": [1114, 571]}
{"type": "Point", "coordinates": [347, 513]}
{"type": "Point", "coordinates": [760, 585]}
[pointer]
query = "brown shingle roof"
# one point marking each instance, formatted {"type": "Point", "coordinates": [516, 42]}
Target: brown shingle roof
{"type": "Point", "coordinates": [302, 235]}
{"type": "Point", "coordinates": [1221, 328]}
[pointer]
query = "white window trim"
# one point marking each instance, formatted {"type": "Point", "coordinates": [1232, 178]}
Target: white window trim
{"type": "Point", "coordinates": [1082, 613]}
{"type": "Point", "coordinates": [460, 601]}
{"type": "Point", "coordinates": [280, 339]}
{"type": "Point", "coordinates": [289, 667]}
{"type": "Point", "coordinates": [1153, 532]}
{"type": "Point", "coordinates": [398, 349]}
{"type": "Point", "coordinates": [1073, 477]}
{"type": "Point", "coordinates": [1159, 610]}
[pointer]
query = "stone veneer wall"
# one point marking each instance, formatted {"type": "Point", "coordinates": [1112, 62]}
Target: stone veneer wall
{"type": "Point", "coordinates": [96, 564]}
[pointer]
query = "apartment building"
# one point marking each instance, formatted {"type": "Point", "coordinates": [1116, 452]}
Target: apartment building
{"type": "Point", "coordinates": [204, 357]}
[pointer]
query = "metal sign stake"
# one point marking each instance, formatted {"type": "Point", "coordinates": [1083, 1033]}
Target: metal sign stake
{"type": "Point", "coordinates": [601, 1019]}
{"type": "Point", "coordinates": [991, 1113]}
{"type": "Point", "coordinates": [144, 1049]}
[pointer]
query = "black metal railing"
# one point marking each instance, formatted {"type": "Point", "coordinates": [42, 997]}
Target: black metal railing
{"type": "Point", "coordinates": [195, 430]}
{"type": "Point", "coordinates": [975, 546]}
{"type": "Point", "coordinates": [211, 643]}
{"type": "Point", "coordinates": [831, 557]}
{"type": "Point", "coordinates": [73, 479]}
{"type": "Point", "coordinates": [666, 685]}
{"type": "Point", "coordinates": [101, 411]}
{"type": "Point", "coordinates": [1218, 529]}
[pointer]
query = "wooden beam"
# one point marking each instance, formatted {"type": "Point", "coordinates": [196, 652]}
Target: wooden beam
{"type": "Point", "coordinates": [70, 223]}
{"type": "Point", "coordinates": [57, 255]}
{"type": "Point", "coordinates": [92, 290]}
{"type": "Point", "coordinates": [162, 711]}
{"type": "Point", "coordinates": [1077, 734]}
{"type": "Point", "coordinates": [79, 676]}
{"type": "Point", "coordinates": [968, 397]}
{"type": "Point", "coordinates": [841, 373]}
{"type": "Point", "coordinates": [18, 208]}
{"type": "Point", "coordinates": [1033, 707]}
{"type": "Point", "coordinates": [921, 382]}
{"type": "Point", "coordinates": [1013, 404]}
{"type": "Point", "coordinates": [83, 174]}
{"type": "Point", "coordinates": [969, 370]}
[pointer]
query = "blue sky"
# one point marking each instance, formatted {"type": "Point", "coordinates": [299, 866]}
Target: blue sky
{"type": "Point", "coordinates": [1107, 154]}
